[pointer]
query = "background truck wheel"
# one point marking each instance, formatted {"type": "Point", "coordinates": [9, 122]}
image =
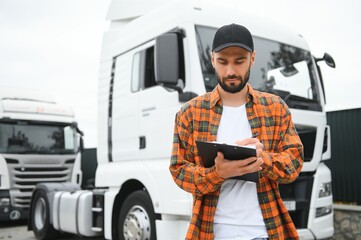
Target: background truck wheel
{"type": "Point", "coordinates": [40, 220]}
{"type": "Point", "coordinates": [136, 220]}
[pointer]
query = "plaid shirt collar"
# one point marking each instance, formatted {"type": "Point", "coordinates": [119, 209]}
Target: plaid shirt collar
{"type": "Point", "coordinates": [216, 97]}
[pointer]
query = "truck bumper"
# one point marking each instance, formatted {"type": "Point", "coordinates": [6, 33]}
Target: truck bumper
{"type": "Point", "coordinates": [171, 229]}
{"type": "Point", "coordinates": [7, 211]}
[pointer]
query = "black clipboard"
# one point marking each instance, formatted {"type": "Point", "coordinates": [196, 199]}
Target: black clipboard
{"type": "Point", "coordinates": [208, 152]}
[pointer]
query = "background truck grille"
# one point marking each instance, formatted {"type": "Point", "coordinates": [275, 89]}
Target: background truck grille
{"type": "Point", "coordinates": [24, 177]}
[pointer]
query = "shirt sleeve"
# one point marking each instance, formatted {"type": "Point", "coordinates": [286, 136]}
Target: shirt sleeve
{"type": "Point", "coordinates": [188, 175]}
{"type": "Point", "coordinates": [284, 165]}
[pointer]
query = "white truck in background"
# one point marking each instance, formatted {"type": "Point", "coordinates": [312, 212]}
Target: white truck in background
{"type": "Point", "coordinates": [38, 143]}
{"type": "Point", "coordinates": [151, 63]}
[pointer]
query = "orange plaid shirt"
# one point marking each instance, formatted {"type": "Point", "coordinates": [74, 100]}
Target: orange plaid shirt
{"type": "Point", "coordinates": [271, 122]}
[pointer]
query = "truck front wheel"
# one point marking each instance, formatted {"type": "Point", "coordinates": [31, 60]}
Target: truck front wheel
{"type": "Point", "coordinates": [136, 219]}
{"type": "Point", "coordinates": [40, 217]}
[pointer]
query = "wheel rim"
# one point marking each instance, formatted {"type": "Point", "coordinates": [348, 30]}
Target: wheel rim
{"type": "Point", "coordinates": [137, 224]}
{"type": "Point", "coordinates": [40, 213]}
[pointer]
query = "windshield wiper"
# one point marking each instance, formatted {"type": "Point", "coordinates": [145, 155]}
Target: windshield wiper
{"type": "Point", "coordinates": [50, 152]}
{"type": "Point", "coordinates": [283, 94]}
{"type": "Point", "coordinates": [69, 151]}
{"type": "Point", "coordinates": [301, 99]}
{"type": "Point", "coordinates": [22, 151]}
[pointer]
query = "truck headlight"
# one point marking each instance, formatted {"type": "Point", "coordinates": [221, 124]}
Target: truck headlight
{"type": "Point", "coordinates": [322, 211]}
{"type": "Point", "coordinates": [325, 190]}
{"type": "Point", "coordinates": [4, 202]}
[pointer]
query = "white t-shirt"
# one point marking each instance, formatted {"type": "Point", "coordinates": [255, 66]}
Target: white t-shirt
{"type": "Point", "coordinates": [238, 214]}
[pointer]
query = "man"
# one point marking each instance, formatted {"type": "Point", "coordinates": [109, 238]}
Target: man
{"type": "Point", "coordinates": [223, 207]}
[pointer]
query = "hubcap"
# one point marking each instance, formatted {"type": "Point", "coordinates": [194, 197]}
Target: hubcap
{"type": "Point", "coordinates": [40, 213]}
{"type": "Point", "coordinates": [137, 224]}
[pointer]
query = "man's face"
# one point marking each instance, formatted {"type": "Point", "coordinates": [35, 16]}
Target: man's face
{"type": "Point", "coordinates": [232, 66]}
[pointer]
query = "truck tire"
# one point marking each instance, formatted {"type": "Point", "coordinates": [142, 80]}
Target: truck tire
{"type": "Point", "coordinates": [40, 220]}
{"type": "Point", "coordinates": [136, 220]}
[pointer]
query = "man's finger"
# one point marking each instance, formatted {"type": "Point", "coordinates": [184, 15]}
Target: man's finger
{"type": "Point", "coordinates": [244, 162]}
{"type": "Point", "coordinates": [247, 141]}
{"type": "Point", "coordinates": [219, 157]}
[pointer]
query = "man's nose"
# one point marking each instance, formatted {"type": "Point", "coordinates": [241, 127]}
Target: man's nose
{"type": "Point", "coordinates": [230, 70]}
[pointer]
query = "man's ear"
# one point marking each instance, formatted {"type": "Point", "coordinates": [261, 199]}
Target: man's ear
{"type": "Point", "coordinates": [253, 58]}
{"type": "Point", "coordinates": [212, 57]}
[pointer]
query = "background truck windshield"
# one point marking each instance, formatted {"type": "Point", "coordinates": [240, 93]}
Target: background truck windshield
{"type": "Point", "coordinates": [281, 69]}
{"type": "Point", "coordinates": [23, 137]}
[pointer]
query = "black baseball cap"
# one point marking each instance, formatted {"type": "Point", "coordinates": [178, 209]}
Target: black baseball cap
{"type": "Point", "coordinates": [232, 35]}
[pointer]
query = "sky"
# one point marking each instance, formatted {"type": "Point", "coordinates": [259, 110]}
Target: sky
{"type": "Point", "coordinates": [54, 46]}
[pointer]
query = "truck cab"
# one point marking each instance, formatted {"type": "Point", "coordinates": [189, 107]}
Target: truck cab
{"type": "Point", "coordinates": [156, 70]}
{"type": "Point", "coordinates": [39, 142]}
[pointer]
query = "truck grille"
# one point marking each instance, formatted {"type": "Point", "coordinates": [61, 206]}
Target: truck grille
{"type": "Point", "coordinates": [24, 177]}
{"type": "Point", "coordinates": [299, 191]}
{"type": "Point", "coordinates": [308, 137]}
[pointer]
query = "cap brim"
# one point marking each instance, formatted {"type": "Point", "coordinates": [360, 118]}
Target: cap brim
{"type": "Point", "coordinates": [223, 46]}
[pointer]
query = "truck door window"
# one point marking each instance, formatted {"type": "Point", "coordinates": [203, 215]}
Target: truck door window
{"type": "Point", "coordinates": [143, 75]}
{"type": "Point", "coordinates": [135, 72]}
{"type": "Point", "coordinates": [69, 138]}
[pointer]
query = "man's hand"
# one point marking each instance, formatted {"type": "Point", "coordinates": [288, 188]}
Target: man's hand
{"type": "Point", "coordinates": [226, 168]}
{"type": "Point", "coordinates": [252, 142]}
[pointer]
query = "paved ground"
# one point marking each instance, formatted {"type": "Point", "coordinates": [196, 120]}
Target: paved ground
{"type": "Point", "coordinates": [347, 225]}
{"type": "Point", "coordinates": [18, 231]}
{"type": "Point", "coordinates": [15, 230]}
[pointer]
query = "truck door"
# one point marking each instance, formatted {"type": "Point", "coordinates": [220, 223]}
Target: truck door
{"type": "Point", "coordinates": [125, 104]}
{"type": "Point", "coordinates": [157, 108]}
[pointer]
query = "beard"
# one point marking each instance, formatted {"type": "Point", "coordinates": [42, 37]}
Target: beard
{"type": "Point", "coordinates": [233, 87]}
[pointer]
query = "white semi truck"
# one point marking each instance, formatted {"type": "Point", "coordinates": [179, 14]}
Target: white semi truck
{"type": "Point", "coordinates": [38, 143]}
{"type": "Point", "coordinates": [151, 64]}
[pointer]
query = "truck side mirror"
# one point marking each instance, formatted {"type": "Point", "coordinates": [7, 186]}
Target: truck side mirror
{"type": "Point", "coordinates": [81, 144]}
{"type": "Point", "coordinates": [328, 60]}
{"type": "Point", "coordinates": [167, 60]}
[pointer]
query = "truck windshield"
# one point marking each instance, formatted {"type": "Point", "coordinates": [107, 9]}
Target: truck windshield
{"type": "Point", "coordinates": [281, 69]}
{"type": "Point", "coordinates": [24, 137]}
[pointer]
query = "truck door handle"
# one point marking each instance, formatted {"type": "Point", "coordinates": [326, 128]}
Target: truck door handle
{"type": "Point", "coordinates": [146, 111]}
{"type": "Point", "coordinates": [142, 142]}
